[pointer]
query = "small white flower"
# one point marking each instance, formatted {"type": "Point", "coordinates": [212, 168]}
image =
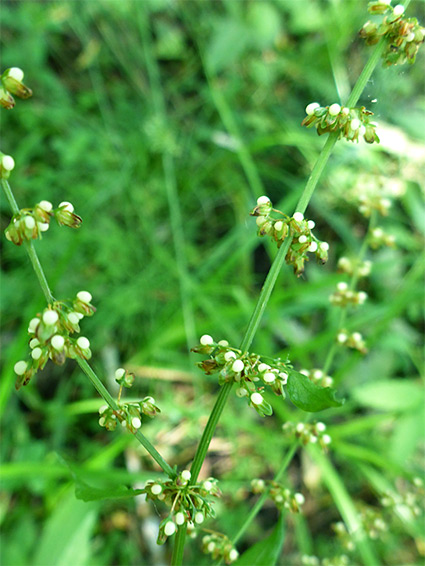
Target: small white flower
{"type": "Point", "coordinates": [102, 421]}
{"type": "Point", "coordinates": [45, 205]}
{"type": "Point", "coordinates": [256, 399]}
{"type": "Point", "coordinates": [169, 528]}
{"type": "Point", "coordinates": [260, 220]}
{"type": "Point", "coordinates": [36, 353]}
{"type": "Point", "coordinates": [229, 356]}
{"type": "Point", "coordinates": [298, 216]}
{"type": "Point", "coordinates": [320, 427]}
{"type": "Point", "coordinates": [199, 518]}
{"type": "Point", "coordinates": [33, 343]}
{"type": "Point", "coordinates": [58, 342]}
{"type": "Point", "coordinates": [233, 554]}
{"type": "Point", "coordinates": [186, 475]}
{"type": "Point", "coordinates": [223, 343]}
{"type": "Point", "coordinates": [318, 374]}
{"type": "Point", "coordinates": [68, 206]}
{"type": "Point", "coordinates": [263, 367]}
{"type": "Point", "coordinates": [355, 124]}
{"type": "Point", "coordinates": [211, 546]}
{"type": "Point", "coordinates": [342, 286]}
{"type": "Point", "coordinates": [300, 427]}
{"type": "Point", "coordinates": [136, 422]}
{"type": "Point", "coordinates": [302, 239]}
{"type": "Point", "coordinates": [410, 37]}
{"type": "Point", "coordinates": [377, 232]}
{"type": "Point", "coordinates": [311, 224]}
{"type": "Point", "coordinates": [299, 498]}
{"type": "Point", "coordinates": [73, 318]}
{"type": "Point", "coordinates": [269, 377]}
{"type": "Point", "coordinates": [43, 226]}
{"type": "Point", "coordinates": [284, 377]}
{"type": "Point", "coordinates": [83, 342]}
{"type": "Point", "coordinates": [278, 226]}
{"type": "Point", "coordinates": [156, 488]}
{"type": "Point", "coordinates": [345, 111]}
{"type": "Point", "coordinates": [361, 297]}
{"type": "Point", "coordinates": [342, 337]}
{"type": "Point", "coordinates": [398, 10]}
{"type": "Point", "coordinates": [356, 336]}
{"type": "Point", "coordinates": [20, 367]}
{"type": "Point", "coordinates": [334, 109]}
{"type": "Point", "coordinates": [310, 108]}
{"type": "Point", "coordinates": [385, 202]}
{"type": "Point", "coordinates": [305, 372]}
{"type": "Point", "coordinates": [326, 439]}
{"type": "Point", "coordinates": [16, 73]}
{"type": "Point", "coordinates": [7, 162]}
{"type": "Point", "coordinates": [180, 518]}
{"type": "Point", "coordinates": [312, 247]}
{"type": "Point", "coordinates": [29, 222]}
{"type": "Point", "coordinates": [237, 366]}
{"type": "Point", "coordinates": [362, 131]}
{"type": "Point", "coordinates": [241, 392]}
{"type": "Point", "coordinates": [263, 200]}
{"type": "Point", "coordinates": [119, 373]}
{"type": "Point", "coordinates": [84, 296]}
{"type": "Point", "coordinates": [324, 246]}
{"type": "Point", "coordinates": [207, 485]}
{"type": "Point", "coordinates": [50, 317]}
{"type": "Point", "coordinates": [32, 326]}
{"type": "Point", "coordinates": [103, 408]}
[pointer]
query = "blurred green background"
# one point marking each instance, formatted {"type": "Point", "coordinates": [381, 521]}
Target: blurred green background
{"type": "Point", "coordinates": [162, 122]}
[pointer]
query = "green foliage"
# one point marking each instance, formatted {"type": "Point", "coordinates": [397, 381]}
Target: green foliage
{"type": "Point", "coordinates": [308, 396]}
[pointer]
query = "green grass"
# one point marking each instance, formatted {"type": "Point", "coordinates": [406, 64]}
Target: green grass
{"type": "Point", "coordinates": [162, 122]}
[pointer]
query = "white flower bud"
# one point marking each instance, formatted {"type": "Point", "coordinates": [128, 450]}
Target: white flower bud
{"type": "Point", "coordinates": [241, 392]}
{"type": "Point", "coordinates": [36, 353]}
{"type": "Point", "coordinates": [103, 408]}
{"type": "Point", "coordinates": [356, 336]}
{"type": "Point", "coordinates": [169, 528]}
{"type": "Point", "coordinates": [398, 10]}
{"type": "Point", "coordinates": [302, 239]}
{"type": "Point", "coordinates": [355, 124]}
{"type": "Point", "coordinates": [33, 343]}
{"type": "Point", "coordinates": [361, 297]}
{"type": "Point", "coordinates": [186, 475]}
{"type": "Point", "coordinates": [68, 206]}
{"type": "Point", "coordinates": [263, 200]}
{"type": "Point", "coordinates": [223, 343]}
{"type": "Point", "coordinates": [284, 377]}
{"type": "Point", "coordinates": [318, 374]}
{"type": "Point", "coordinates": [345, 111]}
{"type": "Point", "coordinates": [43, 226]}
{"type": "Point", "coordinates": [233, 555]}
{"type": "Point", "coordinates": [119, 373]}
{"type": "Point", "coordinates": [263, 367]}
{"type": "Point", "coordinates": [312, 247]}
{"type": "Point", "coordinates": [260, 220]}
{"type": "Point", "coordinates": [278, 226]}
{"type": "Point", "coordinates": [256, 399]}
{"type": "Point", "coordinates": [299, 498]}
{"type": "Point", "coordinates": [156, 489]}
{"type": "Point", "coordinates": [305, 372]}
{"type": "Point", "coordinates": [410, 37]}
{"type": "Point", "coordinates": [20, 367]}
{"type": "Point", "coordinates": [73, 318]}
{"type": "Point", "coordinates": [84, 296]}
{"type": "Point", "coordinates": [16, 73]}
{"type": "Point", "coordinates": [362, 131]}
{"type": "Point", "coordinates": [207, 485]}
{"type": "Point", "coordinates": [180, 518]}
{"type": "Point", "coordinates": [50, 317]}
{"type": "Point", "coordinates": [58, 342]}
{"type": "Point", "coordinates": [29, 222]}
{"type": "Point", "coordinates": [342, 286]}
{"type": "Point", "coordinates": [342, 337]}
{"type": "Point", "coordinates": [300, 427]}
{"type": "Point", "coordinates": [326, 439]}
{"type": "Point", "coordinates": [83, 342]}
{"type": "Point", "coordinates": [298, 216]}
{"type": "Point", "coordinates": [311, 224]}
{"type": "Point", "coordinates": [199, 518]}
{"type": "Point", "coordinates": [310, 108]}
{"type": "Point", "coordinates": [237, 366]}
{"type": "Point", "coordinates": [324, 246]}
{"type": "Point", "coordinates": [136, 422]}
{"type": "Point", "coordinates": [45, 205]}
{"type": "Point", "coordinates": [206, 340]}
{"type": "Point", "coordinates": [334, 109]}
{"type": "Point", "coordinates": [7, 162]}
{"type": "Point", "coordinates": [320, 427]}
{"type": "Point", "coordinates": [229, 356]}
{"type": "Point", "coordinates": [269, 377]}
{"type": "Point", "coordinates": [32, 326]}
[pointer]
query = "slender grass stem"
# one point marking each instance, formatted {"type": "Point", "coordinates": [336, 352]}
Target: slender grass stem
{"type": "Point", "coordinates": [101, 389]}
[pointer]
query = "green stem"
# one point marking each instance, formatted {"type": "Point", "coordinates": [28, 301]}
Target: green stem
{"type": "Point", "coordinates": [81, 362]}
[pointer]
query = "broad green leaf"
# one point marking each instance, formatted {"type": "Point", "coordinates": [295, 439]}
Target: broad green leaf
{"type": "Point", "coordinates": [308, 396]}
{"type": "Point", "coordinates": [66, 538]}
{"type": "Point", "coordinates": [86, 492]}
{"type": "Point", "coordinates": [389, 395]}
{"type": "Point", "coordinates": [267, 551]}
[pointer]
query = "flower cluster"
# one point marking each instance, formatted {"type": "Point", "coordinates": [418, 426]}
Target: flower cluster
{"type": "Point", "coordinates": [282, 497]}
{"type": "Point", "coordinates": [220, 547]}
{"type": "Point", "coordinates": [354, 267]}
{"type": "Point", "coordinates": [378, 238]}
{"type": "Point", "coordinates": [350, 123]}
{"type": "Point", "coordinates": [297, 227]}
{"type": "Point", "coordinates": [403, 36]}
{"type": "Point", "coordinates": [408, 502]}
{"type": "Point", "coordinates": [318, 377]}
{"type": "Point", "coordinates": [50, 336]}
{"type": "Point", "coordinates": [308, 433]}
{"type": "Point", "coordinates": [129, 413]}
{"type": "Point", "coordinates": [354, 340]}
{"type": "Point", "coordinates": [344, 296]}
{"type": "Point", "coordinates": [190, 504]}
{"type": "Point", "coordinates": [30, 223]}
{"type": "Point", "coordinates": [11, 83]}
{"type": "Point", "coordinates": [249, 371]}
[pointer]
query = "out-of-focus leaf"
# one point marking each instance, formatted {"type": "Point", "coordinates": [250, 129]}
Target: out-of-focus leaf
{"type": "Point", "coordinates": [389, 395]}
{"type": "Point", "coordinates": [308, 396]}
{"type": "Point", "coordinates": [267, 551]}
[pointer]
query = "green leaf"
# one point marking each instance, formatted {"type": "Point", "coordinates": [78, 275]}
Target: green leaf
{"type": "Point", "coordinates": [86, 492]}
{"type": "Point", "coordinates": [308, 396]}
{"type": "Point", "coordinates": [389, 395]}
{"type": "Point", "coordinates": [267, 551]}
